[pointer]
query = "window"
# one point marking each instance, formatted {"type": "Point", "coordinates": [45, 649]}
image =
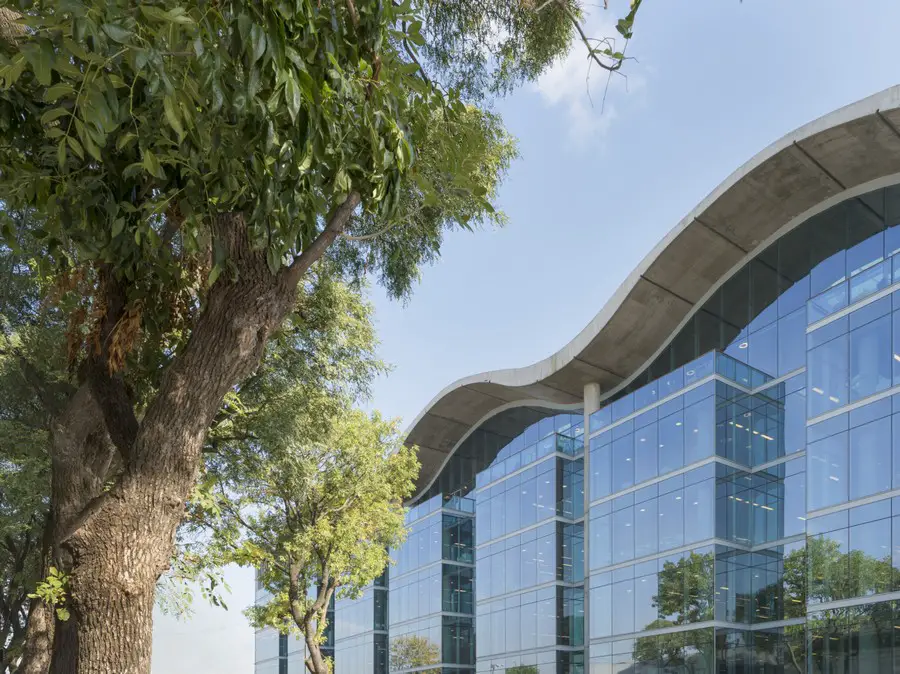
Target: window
{"type": "Point", "coordinates": [827, 376]}
{"type": "Point", "coordinates": [623, 603]}
{"type": "Point", "coordinates": [623, 535]}
{"type": "Point", "coordinates": [623, 463]}
{"type": "Point", "coordinates": [601, 541]}
{"type": "Point", "coordinates": [671, 443]}
{"type": "Point", "coordinates": [646, 537]}
{"type": "Point", "coordinates": [646, 445]}
{"type": "Point", "coordinates": [870, 358]}
{"type": "Point", "coordinates": [870, 458]}
{"type": "Point", "coordinates": [791, 342]}
{"type": "Point", "coordinates": [699, 430]}
{"type": "Point", "coordinates": [826, 465]}
{"type": "Point", "coordinates": [671, 520]}
{"type": "Point", "coordinates": [699, 509]}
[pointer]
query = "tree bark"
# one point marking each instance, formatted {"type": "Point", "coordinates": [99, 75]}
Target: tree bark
{"type": "Point", "coordinates": [38, 639]}
{"type": "Point", "coordinates": [125, 541]}
{"type": "Point", "coordinates": [39, 632]}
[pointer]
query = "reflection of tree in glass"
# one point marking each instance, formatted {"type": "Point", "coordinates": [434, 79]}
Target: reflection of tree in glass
{"type": "Point", "coordinates": [834, 575]}
{"type": "Point", "coordinates": [410, 652]}
{"type": "Point", "coordinates": [838, 575]}
{"type": "Point", "coordinates": [684, 596]}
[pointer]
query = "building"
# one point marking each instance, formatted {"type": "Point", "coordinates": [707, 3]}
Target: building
{"type": "Point", "coordinates": [706, 479]}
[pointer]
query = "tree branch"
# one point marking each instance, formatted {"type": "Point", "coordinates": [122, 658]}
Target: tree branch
{"type": "Point", "coordinates": [337, 221]}
{"type": "Point", "coordinates": [369, 237]}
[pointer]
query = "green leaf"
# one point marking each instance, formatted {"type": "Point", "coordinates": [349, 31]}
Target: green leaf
{"type": "Point", "coordinates": [118, 226]}
{"type": "Point", "coordinates": [75, 146]}
{"type": "Point", "coordinates": [292, 97]}
{"type": "Point", "coordinates": [257, 42]}
{"type": "Point", "coordinates": [53, 114]}
{"type": "Point", "coordinates": [117, 33]}
{"type": "Point", "coordinates": [124, 140]}
{"type": "Point", "coordinates": [62, 614]}
{"type": "Point", "coordinates": [40, 59]}
{"type": "Point", "coordinates": [61, 154]}
{"type": "Point", "coordinates": [172, 116]}
{"type": "Point", "coordinates": [132, 170]}
{"type": "Point", "coordinates": [57, 91]}
{"type": "Point", "coordinates": [151, 164]}
{"type": "Point", "coordinates": [178, 15]}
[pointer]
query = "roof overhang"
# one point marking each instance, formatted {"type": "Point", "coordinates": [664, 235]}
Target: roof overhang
{"type": "Point", "coordinates": [847, 151]}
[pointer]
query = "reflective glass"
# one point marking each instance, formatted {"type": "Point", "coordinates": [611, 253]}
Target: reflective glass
{"type": "Point", "coordinates": [826, 466]}
{"type": "Point", "coordinates": [764, 349]}
{"type": "Point", "coordinates": [699, 430]}
{"type": "Point", "coordinates": [646, 537]}
{"type": "Point", "coordinates": [671, 520]}
{"type": "Point", "coordinates": [623, 535]}
{"type": "Point", "coordinates": [699, 511]}
{"type": "Point", "coordinates": [622, 463]}
{"type": "Point", "coordinates": [645, 453]}
{"type": "Point", "coordinates": [601, 541]}
{"type": "Point", "coordinates": [870, 358]}
{"type": "Point", "coordinates": [791, 342]}
{"type": "Point", "coordinates": [671, 443]}
{"type": "Point", "coordinates": [829, 566]}
{"type": "Point", "coordinates": [870, 558]}
{"type": "Point", "coordinates": [623, 603]}
{"type": "Point", "coordinates": [870, 458]}
{"type": "Point", "coordinates": [645, 609]}
{"type": "Point", "coordinates": [827, 373]}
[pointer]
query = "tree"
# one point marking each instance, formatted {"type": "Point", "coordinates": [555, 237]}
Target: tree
{"type": "Point", "coordinates": [313, 512]}
{"type": "Point", "coordinates": [412, 651]}
{"type": "Point", "coordinates": [522, 669]}
{"type": "Point", "coordinates": [187, 166]}
{"type": "Point", "coordinates": [23, 488]}
{"type": "Point", "coordinates": [184, 248]}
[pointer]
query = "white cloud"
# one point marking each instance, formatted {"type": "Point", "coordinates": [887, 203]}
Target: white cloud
{"type": "Point", "coordinates": [578, 88]}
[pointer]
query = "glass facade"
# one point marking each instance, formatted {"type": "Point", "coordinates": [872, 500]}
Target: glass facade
{"type": "Point", "coordinates": [741, 496]}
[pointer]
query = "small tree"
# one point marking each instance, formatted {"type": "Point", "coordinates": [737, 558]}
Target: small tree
{"type": "Point", "coordinates": [315, 515]}
{"type": "Point", "coordinates": [412, 651]}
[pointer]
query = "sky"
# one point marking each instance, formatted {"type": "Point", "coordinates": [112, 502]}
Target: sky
{"type": "Point", "coordinates": [596, 187]}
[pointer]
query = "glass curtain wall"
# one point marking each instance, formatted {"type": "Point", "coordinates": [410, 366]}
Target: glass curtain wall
{"type": "Point", "coordinates": [431, 598]}
{"type": "Point", "coordinates": [529, 505]}
{"type": "Point", "coordinates": [792, 563]}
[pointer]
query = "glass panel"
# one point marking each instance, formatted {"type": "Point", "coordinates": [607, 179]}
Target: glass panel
{"type": "Point", "coordinates": [622, 463]}
{"type": "Point", "coordinates": [827, 468]}
{"type": "Point", "coordinates": [671, 443]}
{"type": "Point", "coordinates": [791, 342]}
{"type": "Point", "coordinates": [827, 373]}
{"type": "Point", "coordinates": [870, 458]}
{"type": "Point", "coordinates": [699, 430]}
{"type": "Point", "coordinates": [827, 303]}
{"type": "Point", "coordinates": [646, 445]}
{"type": "Point", "coordinates": [870, 358]}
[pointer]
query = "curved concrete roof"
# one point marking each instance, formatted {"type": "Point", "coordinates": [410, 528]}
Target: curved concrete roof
{"type": "Point", "coordinates": [816, 164]}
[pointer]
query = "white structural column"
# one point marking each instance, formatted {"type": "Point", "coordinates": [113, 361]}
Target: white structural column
{"type": "Point", "coordinates": [591, 405]}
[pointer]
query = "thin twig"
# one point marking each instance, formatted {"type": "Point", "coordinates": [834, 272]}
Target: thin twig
{"type": "Point", "coordinates": [369, 237]}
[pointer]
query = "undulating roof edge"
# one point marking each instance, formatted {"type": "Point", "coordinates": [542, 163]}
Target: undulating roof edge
{"type": "Point", "coordinates": [846, 152]}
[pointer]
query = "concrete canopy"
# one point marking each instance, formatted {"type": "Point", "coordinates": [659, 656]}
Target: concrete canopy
{"type": "Point", "coordinates": [807, 170]}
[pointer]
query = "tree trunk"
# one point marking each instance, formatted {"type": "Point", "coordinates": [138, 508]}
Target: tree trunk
{"type": "Point", "coordinates": [126, 539]}
{"type": "Point", "coordinates": [315, 663]}
{"type": "Point", "coordinates": [38, 639]}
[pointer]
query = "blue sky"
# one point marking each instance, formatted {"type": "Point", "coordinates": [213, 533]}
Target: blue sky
{"type": "Point", "coordinates": [715, 82]}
